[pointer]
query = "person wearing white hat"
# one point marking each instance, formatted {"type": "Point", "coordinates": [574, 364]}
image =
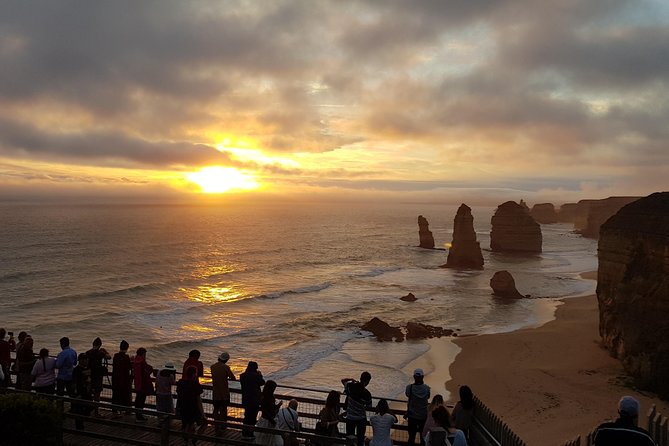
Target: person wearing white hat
{"type": "Point", "coordinates": [220, 374]}
{"type": "Point", "coordinates": [624, 430]}
{"type": "Point", "coordinates": [418, 394]}
{"type": "Point", "coordinates": [166, 378]}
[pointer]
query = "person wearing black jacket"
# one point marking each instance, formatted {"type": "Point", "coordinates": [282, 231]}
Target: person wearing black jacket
{"type": "Point", "coordinates": [358, 401]}
{"type": "Point", "coordinates": [251, 381]}
{"type": "Point", "coordinates": [624, 431]}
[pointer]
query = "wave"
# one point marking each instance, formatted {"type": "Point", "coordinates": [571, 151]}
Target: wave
{"type": "Point", "coordinates": [71, 298]}
{"type": "Point", "coordinates": [10, 277]}
{"type": "Point", "coordinates": [374, 272]}
{"type": "Point", "coordinates": [301, 290]}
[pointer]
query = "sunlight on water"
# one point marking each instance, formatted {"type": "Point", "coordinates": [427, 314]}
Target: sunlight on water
{"type": "Point", "coordinates": [212, 294]}
{"type": "Point", "coordinates": [196, 328]}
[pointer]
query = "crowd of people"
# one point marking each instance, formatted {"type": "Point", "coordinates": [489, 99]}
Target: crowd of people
{"type": "Point", "coordinates": [81, 376]}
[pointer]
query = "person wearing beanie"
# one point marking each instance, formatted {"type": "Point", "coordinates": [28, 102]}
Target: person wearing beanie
{"type": "Point", "coordinates": [624, 430]}
{"type": "Point", "coordinates": [97, 362]}
{"type": "Point", "coordinates": [220, 374]}
{"type": "Point", "coordinates": [418, 395]}
{"type": "Point", "coordinates": [122, 377]}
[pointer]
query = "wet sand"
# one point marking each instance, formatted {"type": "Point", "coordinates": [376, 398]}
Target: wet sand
{"type": "Point", "coordinates": [550, 384]}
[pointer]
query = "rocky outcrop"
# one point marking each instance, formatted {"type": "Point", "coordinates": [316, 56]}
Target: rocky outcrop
{"type": "Point", "coordinates": [424, 233]}
{"type": "Point", "coordinates": [524, 205]}
{"type": "Point", "coordinates": [414, 330]}
{"type": "Point", "coordinates": [503, 285]}
{"type": "Point", "coordinates": [383, 331]}
{"type": "Point", "coordinates": [567, 213]}
{"type": "Point", "coordinates": [409, 298]}
{"type": "Point", "coordinates": [514, 230]}
{"type": "Point", "coordinates": [417, 330]}
{"type": "Point", "coordinates": [544, 213]}
{"type": "Point", "coordinates": [465, 251]}
{"type": "Point", "coordinates": [633, 290]}
{"type": "Point", "coordinates": [598, 211]}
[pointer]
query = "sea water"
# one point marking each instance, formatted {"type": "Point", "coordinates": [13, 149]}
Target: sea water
{"type": "Point", "coordinates": [285, 285]}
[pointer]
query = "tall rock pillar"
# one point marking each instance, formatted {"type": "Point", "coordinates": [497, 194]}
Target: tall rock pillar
{"type": "Point", "coordinates": [424, 233]}
{"type": "Point", "coordinates": [465, 251]}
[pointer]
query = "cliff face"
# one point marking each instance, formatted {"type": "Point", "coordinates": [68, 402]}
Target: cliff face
{"type": "Point", "coordinates": [598, 211]}
{"type": "Point", "coordinates": [465, 251]}
{"type": "Point", "coordinates": [514, 230]}
{"type": "Point", "coordinates": [567, 213]}
{"type": "Point", "coordinates": [633, 289]}
{"type": "Point", "coordinates": [544, 213]}
{"type": "Point", "coordinates": [424, 233]}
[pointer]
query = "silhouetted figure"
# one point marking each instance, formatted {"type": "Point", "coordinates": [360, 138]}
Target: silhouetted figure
{"type": "Point", "coordinates": [44, 373]}
{"type": "Point", "coordinates": [194, 361]}
{"type": "Point", "coordinates": [143, 385]}
{"type": "Point", "coordinates": [288, 419]}
{"type": "Point", "coordinates": [83, 391]}
{"type": "Point", "coordinates": [463, 412]}
{"type": "Point", "coordinates": [188, 397]}
{"type": "Point", "coordinates": [418, 395]}
{"type": "Point", "coordinates": [25, 360]}
{"type": "Point", "coordinates": [251, 381]}
{"type": "Point", "coordinates": [220, 374]}
{"type": "Point", "coordinates": [624, 431]}
{"type": "Point", "coordinates": [444, 430]}
{"type": "Point", "coordinates": [328, 418]}
{"type": "Point", "coordinates": [97, 360]}
{"type": "Point", "coordinates": [381, 423]}
{"type": "Point", "coordinates": [5, 359]}
{"type": "Point", "coordinates": [269, 409]}
{"type": "Point", "coordinates": [65, 363]}
{"type": "Point", "coordinates": [122, 376]}
{"type": "Point", "coordinates": [437, 400]}
{"type": "Point", "coordinates": [358, 400]}
{"type": "Point", "coordinates": [165, 379]}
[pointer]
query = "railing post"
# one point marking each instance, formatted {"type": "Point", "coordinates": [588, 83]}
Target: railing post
{"type": "Point", "coordinates": [165, 431]}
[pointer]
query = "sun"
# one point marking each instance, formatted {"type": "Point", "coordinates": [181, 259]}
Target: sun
{"type": "Point", "coordinates": [218, 180]}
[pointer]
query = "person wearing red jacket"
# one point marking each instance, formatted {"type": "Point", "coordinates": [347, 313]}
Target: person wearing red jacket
{"type": "Point", "coordinates": [143, 384]}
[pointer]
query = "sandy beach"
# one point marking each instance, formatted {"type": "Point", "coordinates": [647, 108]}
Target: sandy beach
{"type": "Point", "coordinates": [550, 384]}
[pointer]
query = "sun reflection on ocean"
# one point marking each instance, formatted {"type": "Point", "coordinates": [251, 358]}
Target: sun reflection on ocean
{"type": "Point", "coordinates": [213, 294]}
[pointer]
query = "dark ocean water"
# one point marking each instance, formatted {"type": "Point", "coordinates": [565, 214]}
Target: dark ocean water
{"type": "Point", "coordinates": [287, 286]}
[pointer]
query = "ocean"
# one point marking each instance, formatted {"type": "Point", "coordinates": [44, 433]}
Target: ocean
{"type": "Point", "coordinates": [286, 285]}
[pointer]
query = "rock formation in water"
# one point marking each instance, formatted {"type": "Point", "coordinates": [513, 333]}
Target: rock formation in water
{"type": "Point", "coordinates": [633, 290]}
{"type": "Point", "coordinates": [567, 213]}
{"type": "Point", "coordinates": [383, 331]}
{"type": "Point", "coordinates": [598, 211]}
{"type": "Point", "coordinates": [503, 285]}
{"type": "Point", "coordinates": [524, 205]}
{"type": "Point", "coordinates": [424, 233]}
{"type": "Point", "coordinates": [514, 230]}
{"type": "Point", "coordinates": [417, 330]}
{"type": "Point", "coordinates": [465, 251]}
{"type": "Point", "coordinates": [409, 298]}
{"type": "Point", "coordinates": [544, 213]}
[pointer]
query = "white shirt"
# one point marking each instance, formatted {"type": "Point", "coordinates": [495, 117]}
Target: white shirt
{"type": "Point", "coordinates": [381, 425]}
{"type": "Point", "coordinates": [44, 372]}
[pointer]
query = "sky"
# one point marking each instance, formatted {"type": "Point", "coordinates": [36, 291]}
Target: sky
{"type": "Point", "coordinates": [424, 101]}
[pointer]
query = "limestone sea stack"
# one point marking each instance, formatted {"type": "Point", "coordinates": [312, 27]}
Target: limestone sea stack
{"type": "Point", "coordinates": [514, 230]}
{"type": "Point", "coordinates": [424, 233]}
{"type": "Point", "coordinates": [544, 213]}
{"type": "Point", "coordinates": [633, 290]}
{"type": "Point", "coordinates": [598, 211]}
{"type": "Point", "coordinates": [465, 251]}
{"type": "Point", "coordinates": [503, 285]}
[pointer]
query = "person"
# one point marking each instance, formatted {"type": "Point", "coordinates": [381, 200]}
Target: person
{"type": "Point", "coordinates": [97, 358]}
{"type": "Point", "coordinates": [194, 361]}
{"type": "Point", "coordinates": [11, 341]}
{"type": "Point", "coordinates": [418, 395]}
{"type": "Point", "coordinates": [437, 400]}
{"type": "Point", "coordinates": [220, 374]}
{"type": "Point", "coordinates": [65, 363]}
{"type": "Point", "coordinates": [444, 431]}
{"type": "Point", "coordinates": [381, 423]}
{"type": "Point", "coordinates": [165, 379]}
{"type": "Point", "coordinates": [81, 377]}
{"type": "Point", "coordinates": [143, 385]}
{"type": "Point", "coordinates": [5, 359]}
{"type": "Point", "coordinates": [288, 419]}
{"type": "Point", "coordinates": [44, 373]}
{"type": "Point", "coordinates": [623, 431]}
{"type": "Point", "coordinates": [122, 376]}
{"type": "Point", "coordinates": [188, 395]}
{"type": "Point", "coordinates": [463, 412]}
{"type": "Point", "coordinates": [358, 400]}
{"type": "Point", "coordinates": [25, 359]}
{"type": "Point", "coordinates": [251, 381]}
{"type": "Point", "coordinates": [269, 409]}
{"type": "Point", "coordinates": [328, 417]}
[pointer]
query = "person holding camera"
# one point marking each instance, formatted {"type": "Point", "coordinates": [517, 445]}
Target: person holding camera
{"type": "Point", "coordinates": [358, 400]}
{"type": "Point", "coordinates": [166, 378]}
